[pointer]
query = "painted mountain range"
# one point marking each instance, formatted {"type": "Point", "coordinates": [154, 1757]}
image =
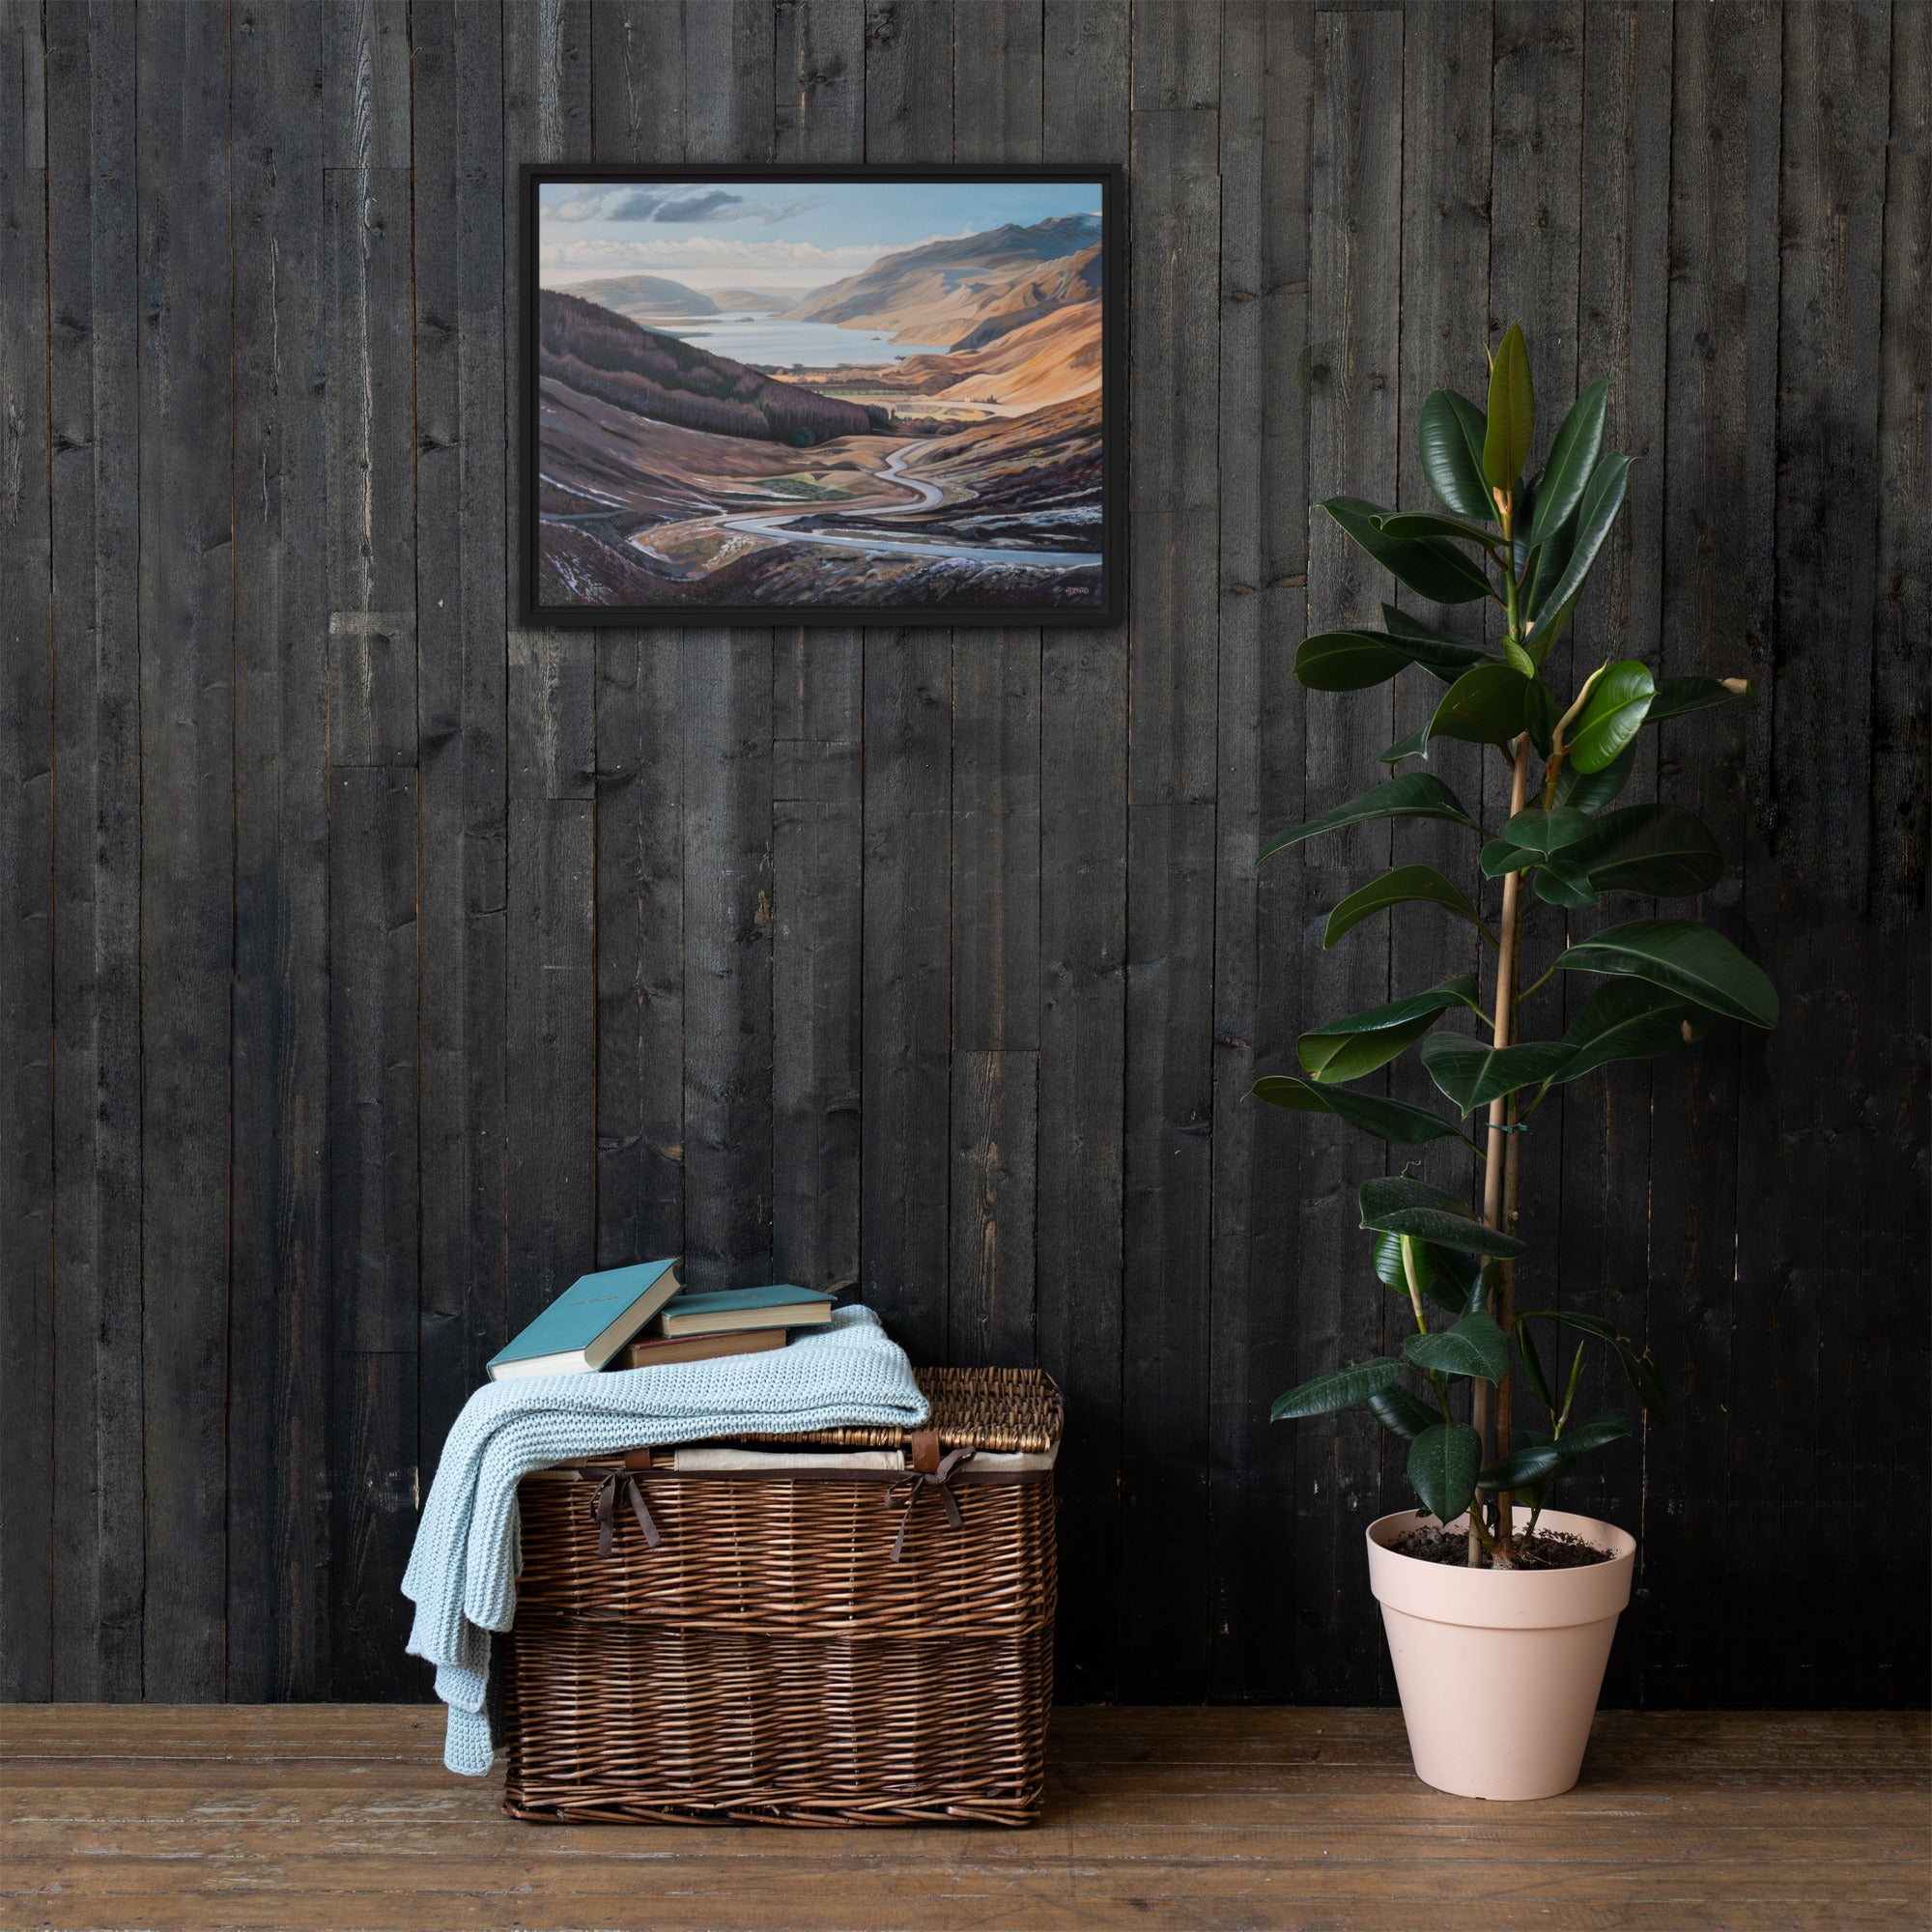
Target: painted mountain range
{"type": "Point", "coordinates": [673, 475]}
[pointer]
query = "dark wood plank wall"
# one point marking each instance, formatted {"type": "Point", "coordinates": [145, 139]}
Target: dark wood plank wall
{"type": "Point", "coordinates": [371, 965]}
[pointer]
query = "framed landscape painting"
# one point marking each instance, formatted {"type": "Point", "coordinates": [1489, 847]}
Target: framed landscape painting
{"type": "Point", "coordinates": [833, 396]}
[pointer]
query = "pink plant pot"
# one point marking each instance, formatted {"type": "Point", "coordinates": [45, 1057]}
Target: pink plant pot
{"type": "Point", "coordinates": [1499, 1670]}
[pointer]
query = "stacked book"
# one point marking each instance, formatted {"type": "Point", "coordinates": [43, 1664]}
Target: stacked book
{"type": "Point", "coordinates": [638, 1318]}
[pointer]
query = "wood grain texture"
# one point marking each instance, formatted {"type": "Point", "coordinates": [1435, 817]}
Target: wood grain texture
{"type": "Point", "coordinates": [905, 1118]}
{"type": "Point", "coordinates": [280, 1345]}
{"type": "Point", "coordinates": [94, 499]}
{"type": "Point", "coordinates": [1355, 440]}
{"type": "Point", "coordinates": [324, 1816]}
{"type": "Point", "coordinates": [371, 964]}
{"type": "Point", "coordinates": [187, 848]}
{"type": "Point", "coordinates": [1083, 933]}
{"type": "Point", "coordinates": [462, 686]}
{"type": "Point", "coordinates": [817, 787]}
{"type": "Point", "coordinates": [27, 871]}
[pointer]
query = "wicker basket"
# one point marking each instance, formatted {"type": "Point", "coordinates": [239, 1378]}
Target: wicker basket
{"type": "Point", "coordinates": [843, 1647]}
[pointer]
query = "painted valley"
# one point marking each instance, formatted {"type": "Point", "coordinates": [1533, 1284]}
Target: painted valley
{"type": "Point", "coordinates": [724, 423]}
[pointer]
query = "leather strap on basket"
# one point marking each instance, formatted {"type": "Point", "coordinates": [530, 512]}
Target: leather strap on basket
{"type": "Point", "coordinates": [606, 1511]}
{"type": "Point", "coordinates": [938, 1478]}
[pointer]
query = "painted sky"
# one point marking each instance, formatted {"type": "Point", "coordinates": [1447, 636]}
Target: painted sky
{"type": "Point", "coordinates": [786, 235]}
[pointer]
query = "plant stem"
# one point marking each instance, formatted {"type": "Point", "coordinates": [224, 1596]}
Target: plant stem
{"type": "Point", "coordinates": [1498, 1159]}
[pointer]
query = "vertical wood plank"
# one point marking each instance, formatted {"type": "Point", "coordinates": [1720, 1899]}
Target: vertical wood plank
{"type": "Point", "coordinates": [1718, 573]}
{"type": "Point", "coordinates": [1901, 806]}
{"type": "Point", "coordinates": [1083, 865]}
{"type": "Point", "coordinates": [462, 489]}
{"type": "Point", "coordinates": [373, 1094]}
{"type": "Point", "coordinates": [26, 840]}
{"type": "Point", "coordinates": [551, 1171]}
{"type": "Point", "coordinates": [372, 1149]}
{"type": "Point", "coordinates": [280, 1327]}
{"type": "Point", "coordinates": [1448, 57]}
{"type": "Point", "coordinates": [1446, 307]}
{"type": "Point", "coordinates": [818, 786]}
{"type": "Point", "coordinates": [1267, 98]}
{"type": "Point", "coordinates": [644, 63]}
{"type": "Point", "coordinates": [1826, 1373]}
{"type": "Point", "coordinates": [1892, 1669]}
{"type": "Point", "coordinates": [1623, 287]}
{"type": "Point", "coordinates": [372, 564]}
{"type": "Point", "coordinates": [905, 1147]}
{"type": "Point", "coordinates": [727, 708]}
{"type": "Point", "coordinates": [1355, 433]}
{"type": "Point", "coordinates": [996, 827]}
{"type": "Point", "coordinates": [1169, 1082]}
{"type": "Point", "coordinates": [94, 376]}
{"type": "Point", "coordinates": [186, 835]}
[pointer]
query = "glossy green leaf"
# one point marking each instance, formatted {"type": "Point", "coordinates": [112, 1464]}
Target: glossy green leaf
{"type": "Point", "coordinates": [1533, 1463]}
{"type": "Point", "coordinates": [1573, 456]}
{"type": "Point", "coordinates": [1399, 1413]}
{"type": "Point", "coordinates": [1628, 1019]}
{"type": "Point", "coordinates": [1433, 523]}
{"type": "Point", "coordinates": [1475, 1347]}
{"type": "Point", "coordinates": [1430, 1280]}
{"type": "Point", "coordinates": [1406, 885]}
{"type": "Point", "coordinates": [1659, 850]}
{"type": "Point", "coordinates": [1539, 713]}
{"type": "Point", "coordinates": [1413, 795]}
{"type": "Point", "coordinates": [1414, 745]}
{"type": "Point", "coordinates": [1433, 569]}
{"type": "Point", "coordinates": [1346, 661]}
{"type": "Point", "coordinates": [1449, 1279]}
{"type": "Point", "coordinates": [1532, 1365]}
{"type": "Point", "coordinates": [1396, 1204]}
{"type": "Point", "coordinates": [1400, 623]}
{"type": "Point", "coordinates": [1552, 559]}
{"type": "Point", "coordinates": [1451, 440]}
{"type": "Point", "coordinates": [1678, 695]}
{"type": "Point", "coordinates": [1639, 1370]}
{"type": "Point", "coordinates": [1472, 1074]}
{"type": "Point", "coordinates": [1542, 832]}
{"type": "Point", "coordinates": [1345, 1049]}
{"type": "Point", "coordinates": [1562, 881]}
{"type": "Point", "coordinates": [1591, 791]}
{"type": "Point", "coordinates": [1612, 1426]}
{"type": "Point", "coordinates": [1442, 1464]}
{"type": "Point", "coordinates": [1343, 1389]}
{"type": "Point", "coordinates": [1512, 412]}
{"type": "Point", "coordinates": [1684, 957]}
{"type": "Point", "coordinates": [1357, 660]}
{"type": "Point", "coordinates": [1436, 651]}
{"type": "Point", "coordinates": [1533, 1493]}
{"type": "Point", "coordinates": [1392, 1120]}
{"type": "Point", "coordinates": [1603, 498]}
{"type": "Point", "coordinates": [1499, 857]}
{"type": "Point", "coordinates": [1483, 706]}
{"type": "Point", "coordinates": [1612, 716]}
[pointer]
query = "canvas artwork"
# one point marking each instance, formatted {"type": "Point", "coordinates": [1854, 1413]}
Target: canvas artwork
{"type": "Point", "coordinates": [787, 397]}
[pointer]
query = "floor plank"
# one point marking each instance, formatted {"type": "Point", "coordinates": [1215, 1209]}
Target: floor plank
{"type": "Point", "coordinates": [243, 1818]}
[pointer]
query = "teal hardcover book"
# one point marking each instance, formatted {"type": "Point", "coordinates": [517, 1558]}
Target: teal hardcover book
{"type": "Point", "coordinates": [589, 1322]}
{"type": "Point", "coordinates": [780, 1307]}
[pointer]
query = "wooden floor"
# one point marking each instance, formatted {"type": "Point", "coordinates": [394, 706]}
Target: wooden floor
{"type": "Point", "coordinates": [295, 1817]}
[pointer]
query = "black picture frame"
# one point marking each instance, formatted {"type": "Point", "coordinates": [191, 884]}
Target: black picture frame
{"type": "Point", "coordinates": [1112, 605]}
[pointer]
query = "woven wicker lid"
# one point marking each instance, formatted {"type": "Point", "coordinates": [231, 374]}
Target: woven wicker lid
{"type": "Point", "coordinates": [1005, 1410]}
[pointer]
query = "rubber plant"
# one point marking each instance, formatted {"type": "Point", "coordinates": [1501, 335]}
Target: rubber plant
{"type": "Point", "coordinates": [1526, 541]}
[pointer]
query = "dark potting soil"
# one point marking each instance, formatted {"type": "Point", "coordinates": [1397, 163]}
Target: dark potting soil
{"type": "Point", "coordinates": [1546, 1549]}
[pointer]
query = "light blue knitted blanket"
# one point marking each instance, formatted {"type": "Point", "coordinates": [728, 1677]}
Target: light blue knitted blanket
{"type": "Point", "coordinates": [462, 1571]}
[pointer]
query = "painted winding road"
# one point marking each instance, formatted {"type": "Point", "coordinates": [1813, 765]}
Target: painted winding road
{"type": "Point", "coordinates": [763, 524]}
